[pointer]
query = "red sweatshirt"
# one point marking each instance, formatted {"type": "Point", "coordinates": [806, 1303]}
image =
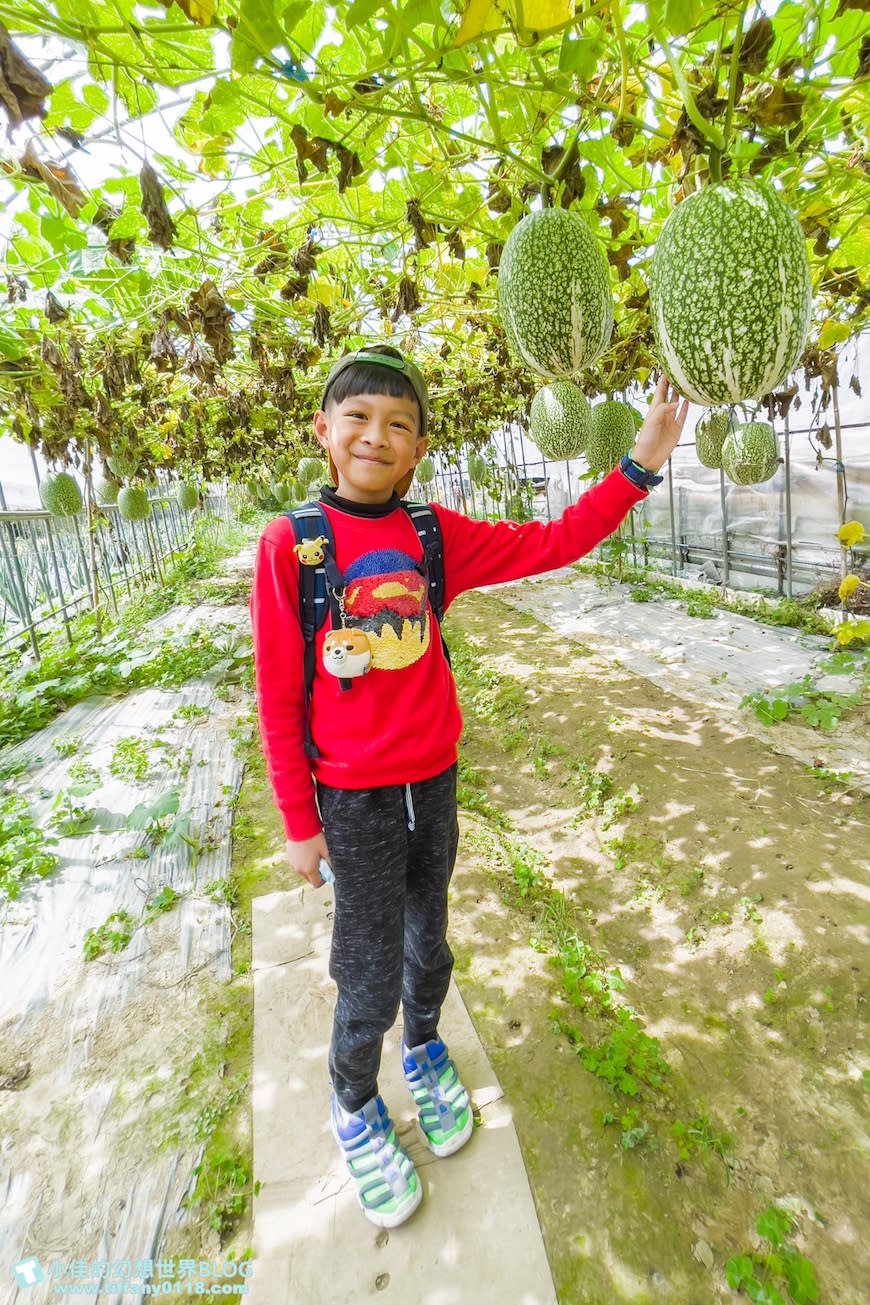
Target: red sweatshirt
{"type": "Point", "coordinates": [399, 722]}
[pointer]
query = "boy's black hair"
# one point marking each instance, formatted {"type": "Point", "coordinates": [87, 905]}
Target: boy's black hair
{"type": "Point", "coordinates": [373, 378]}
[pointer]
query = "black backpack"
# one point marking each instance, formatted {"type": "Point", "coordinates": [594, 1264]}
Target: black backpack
{"type": "Point", "coordinates": [317, 583]}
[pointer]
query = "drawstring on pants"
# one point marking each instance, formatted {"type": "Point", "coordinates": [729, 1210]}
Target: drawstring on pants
{"type": "Point", "coordinates": [409, 807]}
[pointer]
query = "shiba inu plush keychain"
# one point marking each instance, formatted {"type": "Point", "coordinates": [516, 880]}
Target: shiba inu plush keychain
{"type": "Point", "coordinates": [346, 652]}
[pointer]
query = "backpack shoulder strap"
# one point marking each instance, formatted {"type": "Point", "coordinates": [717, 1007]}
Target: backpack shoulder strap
{"type": "Point", "coordinates": [426, 524]}
{"type": "Point", "coordinates": [310, 522]}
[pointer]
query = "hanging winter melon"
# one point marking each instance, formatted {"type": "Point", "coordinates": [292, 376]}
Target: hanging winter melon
{"type": "Point", "coordinates": [750, 453]}
{"type": "Point", "coordinates": [133, 503]}
{"type": "Point", "coordinates": [61, 495]}
{"type": "Point", "coordinates": [107, 492]}
{"type": "Point", "coordinates": [559, 420]}
{"type": "Point", "coordinates": [612, 432]}
{"type": "Point", "coordinates": [186, 497]}
{"type": "Point", "coordinates": [554, 293]}
{"type": "Point", "coordinates": [730, 294]}
{"type": "Point", "coordinates": [476, 468]}
{"type": "Point", "coordinates": [425, 471]}
{"type": "Point", "coordinates": [122, 465]}
{"type": "Point", "coordinates": [709, 437]}
{"type": "Point", "coordinates": [309, 469]}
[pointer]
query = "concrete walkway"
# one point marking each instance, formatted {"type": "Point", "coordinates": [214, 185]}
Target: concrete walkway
{"type": "Point", "coordinates": [475, 1239]}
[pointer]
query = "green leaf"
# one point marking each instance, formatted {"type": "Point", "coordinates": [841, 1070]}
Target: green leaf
{"type": "Point", "coordinates": [256, 33]}
{"type": "Point", "coordinates": [774, 1224]}
{"type": "Point", "coordinates": [801, 1279]}
{"type": "Point", "coordinates": [681, 16]}
{"type": "Point", "coordinates": [779, 709]}
{"type": "Point", "coordinates": [580, 55]}
{"type": "Point", "coordinates": [739, 1270]}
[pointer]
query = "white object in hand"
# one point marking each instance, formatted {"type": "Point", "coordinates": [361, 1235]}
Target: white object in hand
{"type": "Point", "coordinates": [325, 871]}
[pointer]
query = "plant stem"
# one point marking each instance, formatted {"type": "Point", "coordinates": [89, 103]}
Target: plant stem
{"type": "Point", "coordinates": [708, 130]}
{"type": "Point", "coordinates": [733, 74]}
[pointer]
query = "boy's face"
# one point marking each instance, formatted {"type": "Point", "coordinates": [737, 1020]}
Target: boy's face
{"type": "Point", "coordinates": [374, 440]}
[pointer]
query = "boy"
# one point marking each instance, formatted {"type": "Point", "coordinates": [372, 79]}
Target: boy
{"type": "Point", "coordinates": [375, 796]}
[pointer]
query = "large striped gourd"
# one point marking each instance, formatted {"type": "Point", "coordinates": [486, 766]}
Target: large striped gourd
{"type": "Point", "coordinates": [61, 495]}
{"type": "Point", "coordinates": [612, 432]}
{"type": "Point", "coordinates": [710, 436]}
{"type": "Point", "coordinates": [730, 294]}
{"type": "Point", "coordinates": [750, 453]}
{"type": "Point", "coordinates": [554, 293]}
{"type": "Point", "coordinates": [559, 420]}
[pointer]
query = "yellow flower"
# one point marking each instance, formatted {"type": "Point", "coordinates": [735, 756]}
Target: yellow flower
{"type": "Point", "coordinates": [850, 534]}
{"type": "Point", "coordinates": [848, 584]}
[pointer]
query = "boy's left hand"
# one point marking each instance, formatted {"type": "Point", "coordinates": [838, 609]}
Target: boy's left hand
{"type": "Point", "coordinates": [661, 430]}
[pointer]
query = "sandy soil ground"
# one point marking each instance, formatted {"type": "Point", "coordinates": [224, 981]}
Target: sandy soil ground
{"type": "Point", "coordinates": [733, 898]}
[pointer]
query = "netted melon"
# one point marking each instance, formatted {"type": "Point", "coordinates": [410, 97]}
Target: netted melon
{"type": "Point", "coordinates": [750, 454]}
{"type": "Point", "coordinates": [559, 420]}
{"type": "Point", "coordinates": [612, 432]}
{"type": "Point", "coordinates": [710, 435]}
{"type": "Point", "coordinates": [133, 503]}
{"type": "Point", "coordinates": [61, 495]}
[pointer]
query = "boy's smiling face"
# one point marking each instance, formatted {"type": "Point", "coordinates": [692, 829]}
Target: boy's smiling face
{"type": "Point", "coordinates": [374, 441]}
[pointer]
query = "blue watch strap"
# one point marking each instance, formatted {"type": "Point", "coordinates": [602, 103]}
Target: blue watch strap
{"type": "Point", "coordinates": [638, 475]}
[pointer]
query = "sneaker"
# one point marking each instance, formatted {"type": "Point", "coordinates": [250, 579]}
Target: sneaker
{"type": "Point", "coordinates": [387, 1186]}
{"type": "Point", "coordinates": [444, 1107]}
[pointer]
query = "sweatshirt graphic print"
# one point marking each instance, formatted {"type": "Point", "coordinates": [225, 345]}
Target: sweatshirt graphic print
{"type": "Point", "coordinates": [399, 722]}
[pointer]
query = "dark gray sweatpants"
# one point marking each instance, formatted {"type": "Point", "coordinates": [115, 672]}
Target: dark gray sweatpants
{"type": "Point", "coordinates": [392, 851]}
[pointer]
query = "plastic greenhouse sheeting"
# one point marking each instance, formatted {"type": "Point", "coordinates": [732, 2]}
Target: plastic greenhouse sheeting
{"type": "Point", "coordinates": [96, 1165]}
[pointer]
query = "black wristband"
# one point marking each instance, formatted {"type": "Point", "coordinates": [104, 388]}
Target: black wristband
{"type": "Point", "coordinates": [637, 475]}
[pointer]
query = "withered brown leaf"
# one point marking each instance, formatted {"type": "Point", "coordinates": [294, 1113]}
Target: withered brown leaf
{"type": "Point", "coordinates": [60, 180]}
{"type": "Point", "coordinates": [22, 87]}
{"type": "Point", "coordinates": [161, 228]}
{"type": "Point", "coordinates": [407, 299]}
{"type": "Point", "coordinates": [54, 309]}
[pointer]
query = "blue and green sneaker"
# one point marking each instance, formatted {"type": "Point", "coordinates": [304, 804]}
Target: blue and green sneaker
{"type": "Point", "coordinates": [444, 1107]}
{"type": "Point", "coordinates": [387, 1186]}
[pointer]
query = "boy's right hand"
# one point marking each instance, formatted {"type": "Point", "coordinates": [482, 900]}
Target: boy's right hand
{"type": "Point", "coordinates": [304, 857]}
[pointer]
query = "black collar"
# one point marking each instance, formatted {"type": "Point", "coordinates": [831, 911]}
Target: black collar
{"type": "Point", "coordinates": [329, 496]}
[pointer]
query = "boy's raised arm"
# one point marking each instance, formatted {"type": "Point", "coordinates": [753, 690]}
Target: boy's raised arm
{"type": "Point", "coordinates": [483, 553]}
